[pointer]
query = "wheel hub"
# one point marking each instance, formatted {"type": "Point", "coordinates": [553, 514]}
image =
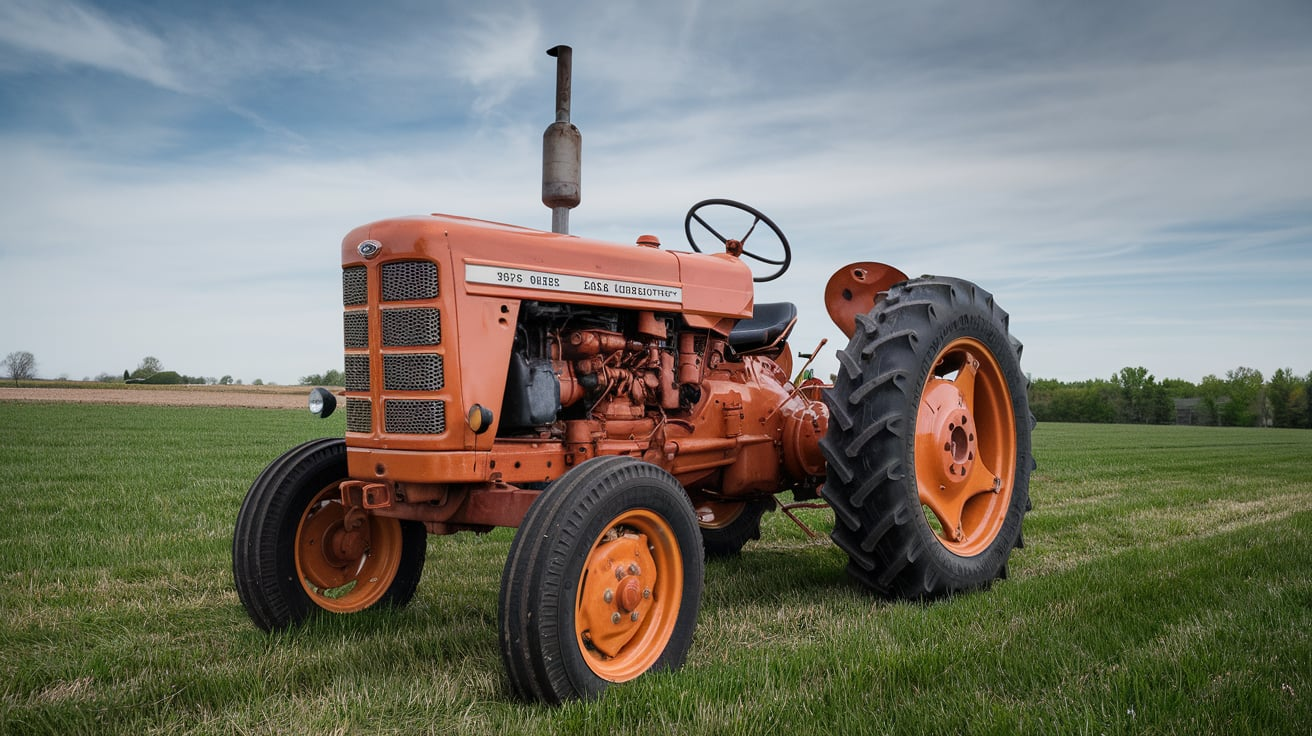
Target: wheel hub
{"type": "Point", "coordinates": [617, 593]}
{"type": "Point", "coordinates": [953, 430]}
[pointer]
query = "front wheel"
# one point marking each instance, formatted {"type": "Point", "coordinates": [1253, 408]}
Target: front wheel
{"type": "Point", "coordinates": [928, 448]}
{"type": "Point", "coordinates": [603, 581]}
{"type": "Point", "coordinates": [296, 549]}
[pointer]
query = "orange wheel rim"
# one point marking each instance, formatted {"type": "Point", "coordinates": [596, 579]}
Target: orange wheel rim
{"type": "Point", "coordinates": [629, 596]}
{"type": "Point", "coordinates": [965, 447]}
{"type": "Point", "coordinates": [345, 559]}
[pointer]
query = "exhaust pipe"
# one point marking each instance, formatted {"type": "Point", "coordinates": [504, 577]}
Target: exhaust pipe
{"type": "Point", "coordinates": [562, 149]}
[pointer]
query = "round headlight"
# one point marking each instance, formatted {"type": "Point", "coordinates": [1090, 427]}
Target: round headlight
{"type": "Point", "coordinates": [322, 402]}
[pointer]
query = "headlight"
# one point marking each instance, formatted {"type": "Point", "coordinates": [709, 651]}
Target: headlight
{"type": "Point", "coordinates": [322, 402]}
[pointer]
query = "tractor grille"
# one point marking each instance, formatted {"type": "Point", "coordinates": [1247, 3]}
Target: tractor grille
{"type": "Point", "coordinates": [404, 280]}
{"type": "Point", "coordinates": [414, 416]}
{"type": "Point", "coordinates": [357, 373]}
{"type": "Point", "coordinates": [417, 326]}
{"type": "Point", "coordinates": [355, 290]}
{"type": "Point", "coordinates": [393, 334]}
{"type": "Point", "coordinates": [359, 415]}
{"type": "Point", "coordinates": [355, 329]}
{"type": "Point", "coordinates": [413, 372]}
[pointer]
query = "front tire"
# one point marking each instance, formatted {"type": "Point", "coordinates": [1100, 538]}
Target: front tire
{"type": "Point", "coordinates": [297, 550]}
{"type": "Point", "coordinates": [928, 447]}
{"type": "Point", "coordinates": [603, 581]}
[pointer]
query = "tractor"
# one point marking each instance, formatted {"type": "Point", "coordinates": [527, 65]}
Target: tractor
{"type": "Point", "coordinates": [631, 410]}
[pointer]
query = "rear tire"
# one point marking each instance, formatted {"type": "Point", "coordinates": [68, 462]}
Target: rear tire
{"type": "Point", "coordinates": [603, 581]}
{"type": "Point", "coordinates": [928, 448]}
{"type": "Point", "coordinates": [295, 550]}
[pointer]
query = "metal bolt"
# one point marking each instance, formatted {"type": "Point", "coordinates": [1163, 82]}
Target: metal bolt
{"type": "Point", "coordinates": [615, 617]}
{"type": "Point", "coordinates": [646, 593]}
{"type": "Point", "coordinates": [633, 616]}
{"type": "Point", "coordinates": [633, 569]}
{"type": "Point", "coordinates": [619, 573]}
{"type": "Point", "coordinates": [608, 596]}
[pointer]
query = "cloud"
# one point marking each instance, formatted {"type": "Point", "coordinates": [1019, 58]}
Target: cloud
{"type": "Point", "coordinates": [69, 33]}
{"type": "Point", "coordinates": [497, 52]}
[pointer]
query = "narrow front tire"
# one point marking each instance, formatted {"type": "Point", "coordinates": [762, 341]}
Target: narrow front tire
{"type": "Point", "coordinates": [603, 582]}
{"type": "Point", "coordinates": [297, 549]}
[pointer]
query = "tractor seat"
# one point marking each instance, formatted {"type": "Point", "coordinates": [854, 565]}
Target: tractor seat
{"type": "Point", "coordinates": [768, 327]}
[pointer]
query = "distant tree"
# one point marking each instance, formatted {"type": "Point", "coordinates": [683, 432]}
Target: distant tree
{"type": "Point", "coordinates": [126, 374]}
{"type": "Point", "coordinates": [333, 377]}
{"type": "Point", "coordinates": [1142, 400]}
{"type": "Point", "coordinates": [1085, 401]}
{"type": "Point", "coordinates": [257, 382]}
{"type": "Point", "coordinates": [21, 365]}
{"type": "Point", "coordinates": [1244, 386]}
{"type": "Point", "coordinates": [150, 365]}
{"type": "Point", "coordinates": [225, 381]}
{"type": "Point", "coordinates": [1280, 394]}
{"type": "Point", "coordinates": [1211, 392]}
{"type": "Point", "coordinates": [108, 378]}
{"type": "Point", "coordinates": [1307, 400]}
{"type": "Point", "coordinates": [166, 377]}
{"type": "Point", "coordinates": [1178, 388]}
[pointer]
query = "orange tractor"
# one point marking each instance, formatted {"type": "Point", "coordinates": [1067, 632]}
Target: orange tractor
{"type": "Point", "coordinates": [630, 409]}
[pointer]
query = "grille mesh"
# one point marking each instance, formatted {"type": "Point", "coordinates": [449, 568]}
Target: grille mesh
{"type": "Point", "coordinates": [404, 327]}
{"type": "Point", "coordinates": [355, 329]}
{"type": "Point", "coordinates": [421, 372]}
{"type": "Point", "coordinates": [413, 416]}
{"type": "Point", "coordinates": [404, 280]}
{"type": "Point", "coordinates": [359, 415]}
{"type": "Point", "coordinates": [355, 289]}
{"type": "Point", "coordinates": [357, 373]}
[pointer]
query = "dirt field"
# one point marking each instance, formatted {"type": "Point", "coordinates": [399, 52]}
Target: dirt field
{"type": "Point", "coordinates": [258, 397]}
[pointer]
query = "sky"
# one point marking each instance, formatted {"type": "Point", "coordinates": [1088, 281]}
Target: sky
{"type": "Point", "coordinates": [1132, 181]}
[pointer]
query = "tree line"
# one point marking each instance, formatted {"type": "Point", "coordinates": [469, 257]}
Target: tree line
{"type": "Point", "coordinates": [21, 366]}
{"type": "Point", "coordinates": [1242, 398]}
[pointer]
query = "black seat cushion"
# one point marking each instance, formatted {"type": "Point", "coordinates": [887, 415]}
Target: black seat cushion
{"type": "Point", "coordinates": [770, 324]}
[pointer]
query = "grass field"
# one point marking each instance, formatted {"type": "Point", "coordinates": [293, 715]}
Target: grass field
{"type": "Point", "coordinates": [1166, 587]}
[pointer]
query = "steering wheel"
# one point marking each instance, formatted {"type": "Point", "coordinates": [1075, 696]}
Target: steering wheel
{"type": "Point", "coordinates": [738, 247]}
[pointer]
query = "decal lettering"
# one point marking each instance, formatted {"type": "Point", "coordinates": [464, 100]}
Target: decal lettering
{"type": "Point", "coordinates": [476, 273]}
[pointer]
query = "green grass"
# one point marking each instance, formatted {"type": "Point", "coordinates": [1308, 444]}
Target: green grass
{"type": "Point", "coordinates": [1166, 587]}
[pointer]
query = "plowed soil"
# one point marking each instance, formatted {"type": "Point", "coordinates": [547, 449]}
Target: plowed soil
{"type": "Point", "coordinates": [258, 397]}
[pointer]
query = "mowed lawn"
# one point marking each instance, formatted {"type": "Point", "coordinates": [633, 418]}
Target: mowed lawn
{"type": "Point", "coordinates": [1165, 587]}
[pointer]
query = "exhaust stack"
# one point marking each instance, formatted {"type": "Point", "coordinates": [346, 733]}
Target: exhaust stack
{"type": "Point", "coordinates": [562, 149]}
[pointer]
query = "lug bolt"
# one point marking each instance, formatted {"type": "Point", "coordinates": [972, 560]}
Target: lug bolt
{"type": "Point", "coordinates": [633, 616]}
{"type": "Point", "coordinates": [633, 569]}
{"type": "Point", "coordinates": [646, 593]}
{"type": "Point", "coordinates": [608, 596]}
{"type": "Point", "coordinates": [615, 617]}
{"type": "Point", "coordinates": [619, 573]}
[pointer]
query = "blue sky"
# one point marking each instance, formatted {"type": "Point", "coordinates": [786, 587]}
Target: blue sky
{"type": "Point", "coordinates": [1132, 180]}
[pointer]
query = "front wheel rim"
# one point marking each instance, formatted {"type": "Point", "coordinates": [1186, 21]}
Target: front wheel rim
{"type": "Point", "coordinates": [965, 447]}
{"type": "Point", "coordinates": [345, 559]}
{"type": "Point", "coordinates": [629, 595]}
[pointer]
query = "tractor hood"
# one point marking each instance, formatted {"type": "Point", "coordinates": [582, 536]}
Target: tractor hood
{"type": "Point", "coordinates": [493, 259]}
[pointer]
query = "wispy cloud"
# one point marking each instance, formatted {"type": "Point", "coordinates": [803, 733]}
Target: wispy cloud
{"type": "Point", "coordinates": [65, 32]}
{"type": "Point", "coordinates": [497, 52]}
